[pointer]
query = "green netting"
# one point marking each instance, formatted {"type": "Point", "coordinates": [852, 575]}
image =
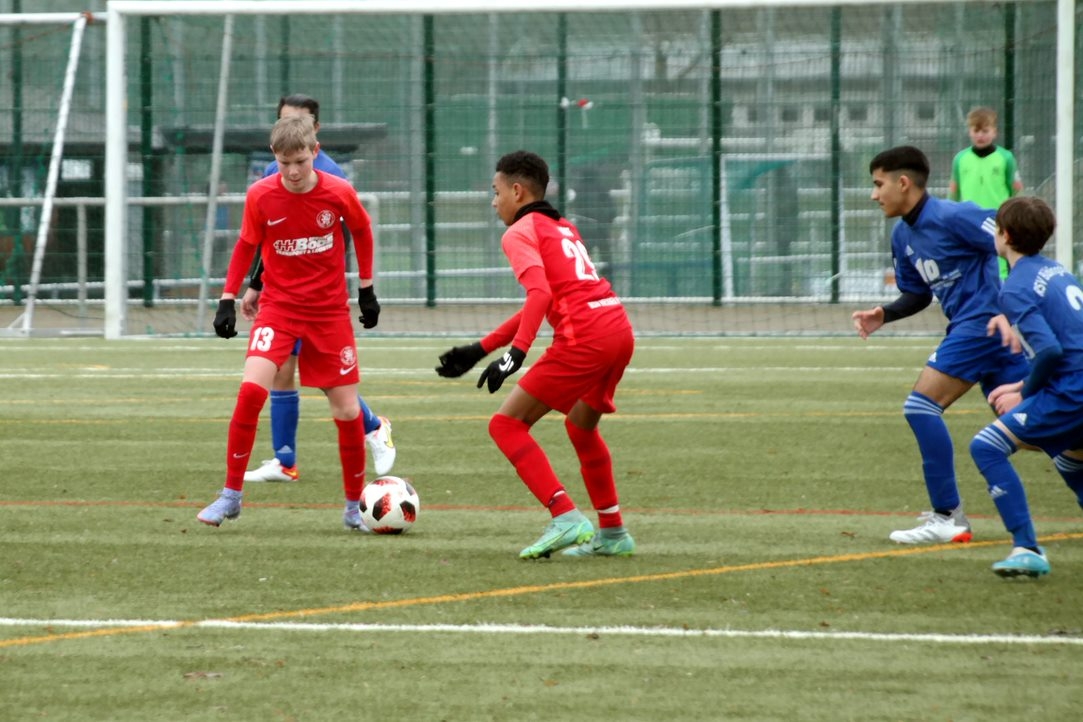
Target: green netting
{"type": "Point", "coordinates": [622, 106]}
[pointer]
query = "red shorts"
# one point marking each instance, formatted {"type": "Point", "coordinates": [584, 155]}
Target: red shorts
{"type": "Point", "coordinates": [588, 371]}
{"type": "Point", "coordinates": [328, 355]}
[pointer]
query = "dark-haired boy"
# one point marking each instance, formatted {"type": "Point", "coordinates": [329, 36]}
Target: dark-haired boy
{"type": "Point", "coordinates": [944, 249]}
{"type": "Point", "coordinates": [578, 373]}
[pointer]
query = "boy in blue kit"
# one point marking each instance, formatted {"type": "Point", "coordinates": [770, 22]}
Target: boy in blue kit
{"type": "Point", "coordinates": [944, 249]}
{"type": "Point", "coordinates": [1044, 303]}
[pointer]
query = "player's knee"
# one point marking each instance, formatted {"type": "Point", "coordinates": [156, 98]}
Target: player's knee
{"type": "Point", "coordinates": [988, 447]}
{"type": "Point", "coordinates": [499, 425]}
{"type": "Point", "coordinates": [918, 406]}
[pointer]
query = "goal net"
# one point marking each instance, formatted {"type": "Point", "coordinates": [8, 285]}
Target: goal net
{"type": "Point", "coordinates": [714, 155]}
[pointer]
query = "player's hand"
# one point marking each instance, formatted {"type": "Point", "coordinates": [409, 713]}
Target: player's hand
{"type": "Point", "coordinates": [498, 370]}
{"type": "Point", "coordinates": [250, 304]}
{"type": "Point", "coordinates": [1006, 397]}
{"type": "Point", "coordinates": [225, 320]}
{"type": "Point", "coordinates": [868, 322]}
{"type": "Point", "coordinates": [1000, 324]}
{"type": "Point", "coordinates": [370, 307]}
{"type": "Point", "coordinates": [458, 360]}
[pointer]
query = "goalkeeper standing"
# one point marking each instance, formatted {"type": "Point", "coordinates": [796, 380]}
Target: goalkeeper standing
{"type": "Point", "coordinates": [293, 217]}
{"type": "Point", "coordinates": [577, 374]}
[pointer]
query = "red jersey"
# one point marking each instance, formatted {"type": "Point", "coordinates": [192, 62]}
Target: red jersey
{"type": "Point", "coordinates": [302, 244]}
{"type": "Point", "coordinates": [583, 303]}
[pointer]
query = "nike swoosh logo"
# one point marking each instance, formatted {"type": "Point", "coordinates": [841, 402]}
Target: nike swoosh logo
{"type": "Point", "coordinates": [239, 456]}
{"type": "Point", "coordinates": [348, 369]}
{"type": "Point", "coordinates": [276, 222]}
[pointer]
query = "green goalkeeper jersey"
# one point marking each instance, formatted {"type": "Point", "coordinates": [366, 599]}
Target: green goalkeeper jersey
{"type": "Point", "coordinates": [985, 179]}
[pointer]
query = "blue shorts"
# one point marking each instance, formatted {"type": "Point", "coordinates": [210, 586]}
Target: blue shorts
{"type": "Point", "coordinates": [979, 359]}
{"type": "Point", "coordinates": [296, 348]}
{"type": "Point", "coordinates": [1049, 420]}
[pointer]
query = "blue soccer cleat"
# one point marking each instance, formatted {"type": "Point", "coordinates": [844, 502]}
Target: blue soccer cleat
{"type": "Point", "coordinates": [1022, 562]}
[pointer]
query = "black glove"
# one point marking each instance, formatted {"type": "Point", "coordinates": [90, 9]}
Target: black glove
{"type": "Point", "coordinates": [225, 320]}
{"type": "Point", "coordinates": [459, 360]}
{"type": "Point", "coordinates": [370, 307]}
{"type": "Point", "coordinates": [498, 370]}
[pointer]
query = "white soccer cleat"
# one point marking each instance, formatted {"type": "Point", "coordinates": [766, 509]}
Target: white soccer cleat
{"type": "Point", "coordinates": [381, 447]}
{"type": "Point", "coordinates": [936, 529]}
{"type": "Point", "coordinates": [272, 470]}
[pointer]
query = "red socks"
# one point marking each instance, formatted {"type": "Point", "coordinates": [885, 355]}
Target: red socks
{"type": "Point", "coordinates": [242, 432]}
{"type": "Point", "coordinates": [513, 438]}
{"type": "Point", "coordinates": [351, 451]}
{"type": "Point", "coordinates": [596, 465]}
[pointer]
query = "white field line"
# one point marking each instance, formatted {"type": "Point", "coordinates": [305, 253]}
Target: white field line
{"type": "Point", "coordinates": [929, 638]}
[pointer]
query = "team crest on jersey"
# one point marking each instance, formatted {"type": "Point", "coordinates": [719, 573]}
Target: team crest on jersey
{"type": "Point", "coordinates": [325, 219]}
{"type": "Point", "coordinates": [347, 356]}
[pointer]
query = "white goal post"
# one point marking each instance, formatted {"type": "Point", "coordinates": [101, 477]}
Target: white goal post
{"type": "Point", "coordinates": [119, 11]}
{"type": "Point", "coordinates": [78, 21]}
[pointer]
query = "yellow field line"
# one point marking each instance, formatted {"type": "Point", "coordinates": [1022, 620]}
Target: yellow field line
{"type": "Point", "coordinates": [528, 589]}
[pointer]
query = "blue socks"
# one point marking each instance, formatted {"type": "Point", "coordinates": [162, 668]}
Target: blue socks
{"type": "Point", "coordinates": [285, 412]}
{"type": "Point", "coordinates": [926, 419]}
{"type": "Point", "coordinates": [1071, 470]}
{"type": "Point", "coordinates": [372, 421]}
{"type": "Point", "coordinates": [990, 450]}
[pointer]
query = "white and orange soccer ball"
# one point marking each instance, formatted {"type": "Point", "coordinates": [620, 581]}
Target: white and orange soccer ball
{"type": "Point", "coordinates": [389, 505]}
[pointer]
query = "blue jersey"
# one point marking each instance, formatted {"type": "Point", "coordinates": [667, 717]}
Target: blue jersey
{"type": "Point", "coordinates": [322, 162]}
{"type": "Point", "coordinates": [1044, 302]}
{"type": "Point", "coordinates": [950, 251]}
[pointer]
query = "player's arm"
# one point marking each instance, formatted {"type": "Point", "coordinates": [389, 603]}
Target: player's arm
{"type": "Point", "coordinates": [953, 184]}
{"type": "Point", "coordinates": [520, 329]}
{"type": "Point", "coordinates": [538, 298]}
{"type": "Point", "coordinates": [457, 360]}
{"type": "Point", "coordinates": [907, 304]}
{"type": "Point", "coordinates": [240, 261]}
{"type": "Point", "coordinates": [1012, 179]}
{"type": "Point", "coordinates": [225, 318]}
{"type": "Point", "coordinates": [975, 226]}
{"type": "Point", "coordinates": [255, 275]}
{"type": "Point", "coordinates": [914, 296]}
{"type": "Point", "coordinates": [1042, 344]}
{"type": "Point", "coordinates": [359, 223]}
{"type": "Point", "coordinates": [1000, 325]}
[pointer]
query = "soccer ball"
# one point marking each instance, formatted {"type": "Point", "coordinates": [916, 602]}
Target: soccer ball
{"type": "Point", "coordinates": [389, 505]}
